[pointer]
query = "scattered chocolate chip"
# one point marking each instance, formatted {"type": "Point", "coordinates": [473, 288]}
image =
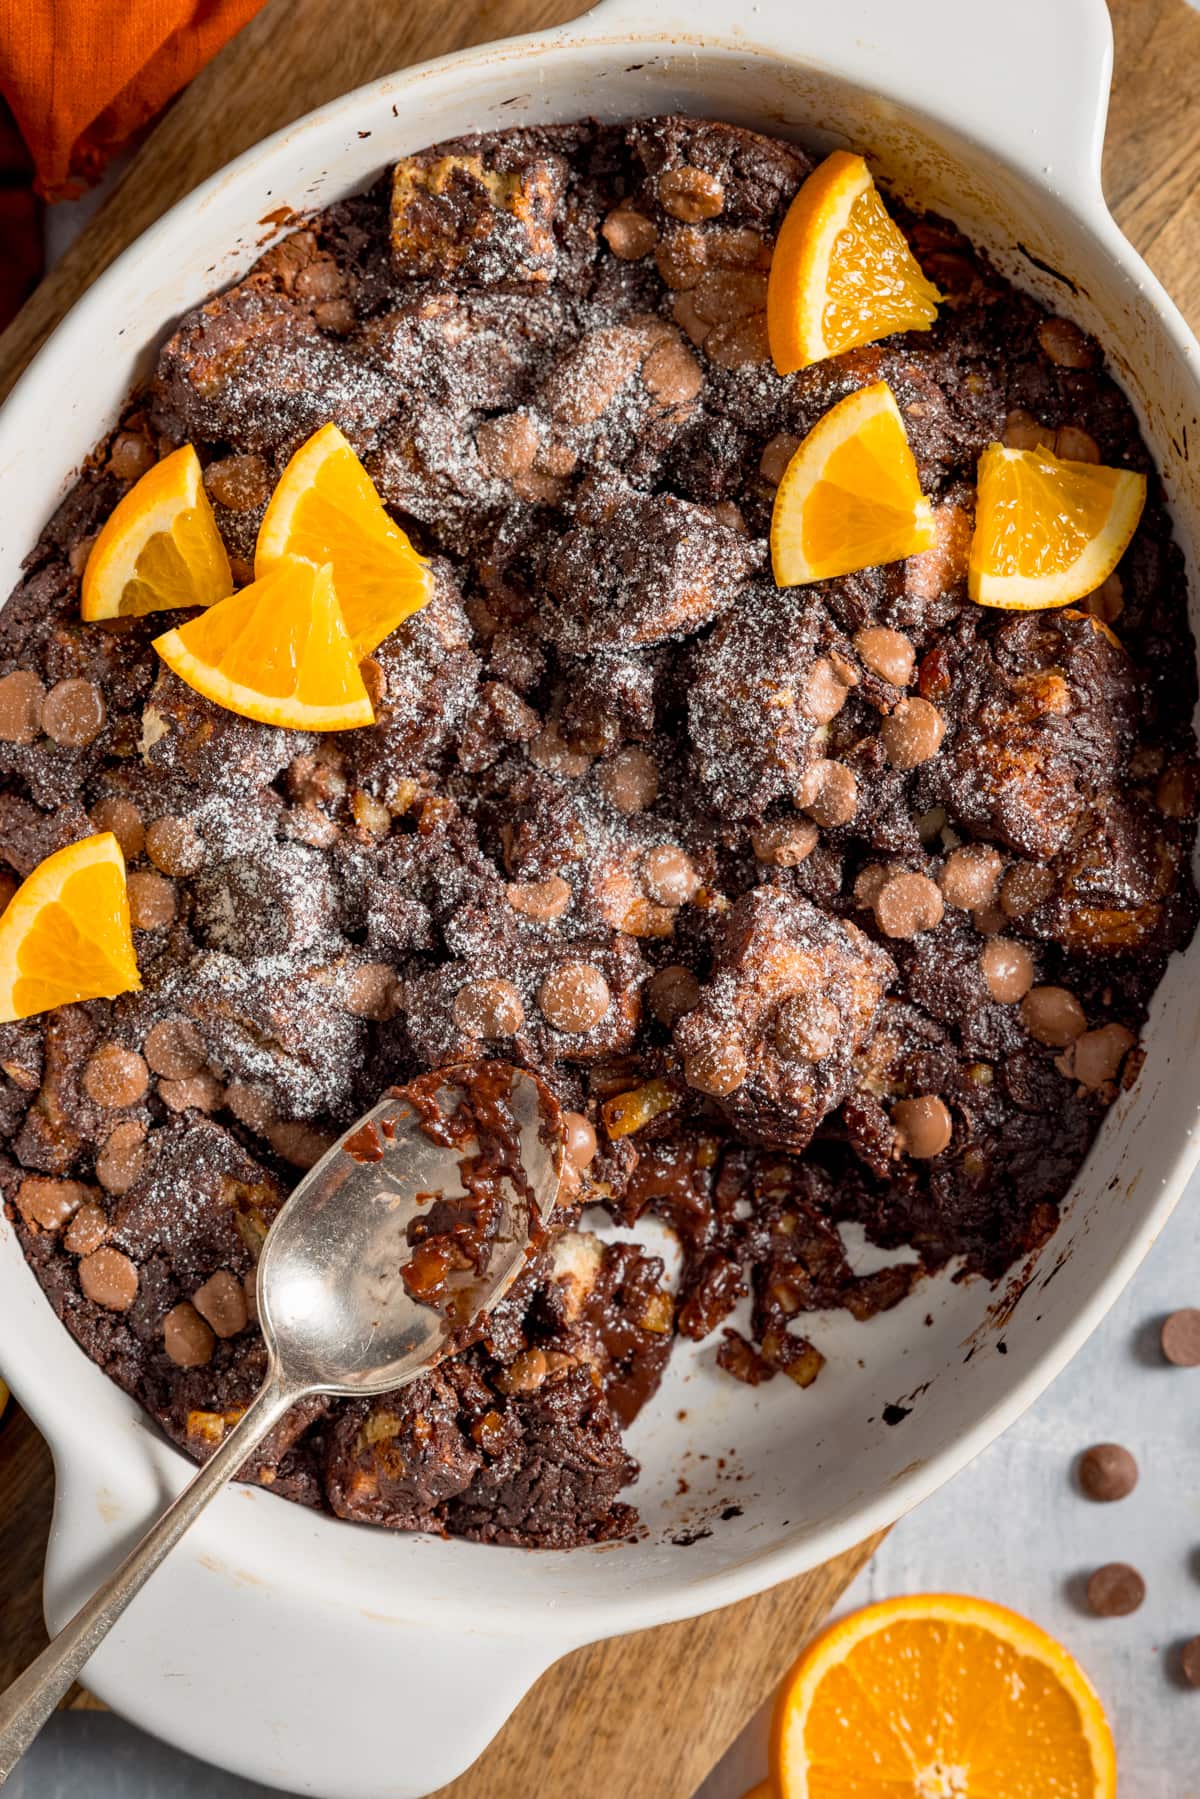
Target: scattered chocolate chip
{"type": "Point", "coordinates": [629, 780]}
{"type": "Point", "coordinates": [912, 733]}
{"type": "Point", "coordinates": [828, 792]}
{"type": "Point", "coordinates": [970, 876]}
{"type": "Point", "coordinates": [888, 654]}
{"type": "Point", "coordinates": [86, 1231]}
{"type": "Point", "coordinates": [113, 1076]}
{"type": "Point", "coordinates": [109, 1279]}
{"type": "Point", "coordinates": [629, 235]}
{"type": "Point", "coordinates": [488, 1009]}
{"type": "Point", "coordinates": [574, 997]}
{"type": "Point", "coordinates": [579, 1139]}
{"type": "Point", "coordinates": [1096, 1056]}
{"type": "Point", "coordinates": [1007, 968]}
{"type": "Point", "coordinates": [907, 904]}
{"type": "Point", "coordinates": [716, 1065]}
{"type": "Point", "coordinates": [174, 846]}
{"type": "Point", "coordinates": [1052, 1016]}
{"type": "Point", "coordinates": [669, 875]}
{"type": "Point", "coordinates": [690, 194]}
{"type": "Point", "coordinates": [672, 992]}
{"type": "Point", "coordinates": [1115, 1590]}
{"type": "Point", "coordinates": [151, 901]}
{"type": "Point", "coordinates": [122, 1157]}
{"type": "Point", "coordinates": [125, 822]}
{"type": "Point", "coordinates": [542, 901]}
{"type": "Point", "coordinates": [1107, 1472]}
{"type": "Point", "coordinates": [21, 699]}
{"type": "Point", "coordinates": [73, 713]}
{"type": "Point", "coordinates": [924, 1126]}
{"type": "Point", "coordinates": [187, 1338]}
{"type": "Point", "coordinates": [371, 991]}
{"type": "Point", "coordinates": [786, 842]}
{"type": "Point", "coordinates": [174, 1048]}
{"type": "Point", "coordinates": [221, 1302]}
{"type": "Point", "coordinates": [824, 693]}
{"type": "Point", "coordinates": [1180, 1338]}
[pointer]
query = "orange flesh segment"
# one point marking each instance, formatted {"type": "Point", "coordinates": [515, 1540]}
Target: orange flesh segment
{"type": "Point", "coordinates": [850, 497]}
{"type": "Point", "coordinates": [842, 273]}
{"type": "Point", "coordinates": [160, 549]}
{"type": "Point", "coordinates": [940, 1695]}
{"type": "Point", "coordinates": [1048, 531]}
{"type": "Point", "coordinates": [278, 652]}
{"type": "Point", "coordinates": [65, 934]}
{"type": "Point", "coordinates": [326, 509]}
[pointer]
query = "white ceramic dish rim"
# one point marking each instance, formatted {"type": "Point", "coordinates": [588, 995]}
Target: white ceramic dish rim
{"type": "Point", "coordinates": [1059, 150]}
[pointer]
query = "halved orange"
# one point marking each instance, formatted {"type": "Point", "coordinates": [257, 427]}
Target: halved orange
{"type": "Point", "coordinates": [65, 934]}
{"type": "Point", "coordinates": [842, 273]}
{"type": "Point", "coordinates": [1048, 531]}
{"type": "Point", "coordinates": [160, 547]}
{"type": "Point", "coordinates": [278, 651]}
{"type": "Point", "coordinates": [326, 509]}
{"type": "Point", "coordinates": [850, 497]}
{"type": "Point", "coordinates": [940, 1697]}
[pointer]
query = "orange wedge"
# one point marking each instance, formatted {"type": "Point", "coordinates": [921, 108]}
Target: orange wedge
{"type": "Point", "coordinates": [1047, 532]}
{"type": "Point", "coordinates": [326, 509]}
{"type": "Point", "coordinates": [278, 651]}
{"type": "Point", "coordinates": [160, 548]}
{"type": "Point", "coordinates": [65, 934]}
{"type": "Point", "coordinates": [850, 497]}
{"type": "Point", "coordinates": [842, 273]}
{"type": "Point", "coordinates": [940, 1697]}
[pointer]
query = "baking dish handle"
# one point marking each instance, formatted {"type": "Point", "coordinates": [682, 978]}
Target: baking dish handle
{"type": "Point", "coordinates": [1028, 78]}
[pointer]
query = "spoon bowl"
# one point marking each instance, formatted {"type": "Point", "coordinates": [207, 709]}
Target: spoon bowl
{"type": "Point", "coordinates": [334, 1309]}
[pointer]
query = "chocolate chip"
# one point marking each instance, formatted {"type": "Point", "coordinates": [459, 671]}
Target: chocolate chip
{"type": "Point", "coordinates": [46, 1203]}
{"type": "Point", "coordinates": [114, 1076]}
{"type": "Point", "coordinates": [1097, 1055]}
{"type": "Point", "coordinates": [86, 1231]}
{"type": "Point", "coordinates": [806, 1027]}
{"type": "Point", "coordinates": [175, 846]}
{"type": "Point", "coordinates": [74, 713]}
{"type": "Point", "coordinates": [221, 1302]}
{"type": "Point", "coordinates": [970, 876]}
{"type": "Point", "coordinates": [1065, 344]}
{"type": "Point", "coordinates": [716, 1065]}
{"type": "Point", "coordinates": [912, 733]}
{"type": "Point", "coordinates": [672, 374]}
{"type": "Point", "coordinates": [1007, 969]}
{"type": "Point", "coordinates": [109, 1279]}
{"type": "Point", "coordinates": [824, 693]}
{"type": "Point", "coordinates": [888, 654]}
{"type": "Point", "coordinates": [540, 900]}
{"type": "Point", "coordinates": [1180, 1338]}
{"type": "Point", "coordinates": [923, 1126]}
{"type": "Point", "coordinates": [690, 194]}
{"type": "Point", "coordinates": [629, 235]}
{"type": "Point", "coordinates": [1052, 1016]}
{"type": "Point", "coordinates": [192, 1093]}
{"type": "Point", "coordinates": [122, 1157]}
{"type": "Point", "coordinates": [574, 997]}
{"type": "Point", "coordinates": [1115, 1590]}
{"type": "Point", "coordinates": [579, 1139]}
{"type": "Point", "coordinates": [151, 901]}
{"type": "Point", "coordinates": [21, 699]}
{"type": "Point", "coordinates": [672, 992]}
{"type": "Point", "coordinates": [907, 904]}
{"type": "Point", "coordinates": [125, 822]}
{"type": "Point", "coordinates": [828, 792]}
{"type": "Point", "coordinates": [669, 875]}
{"type": "Point", "coordinates": [1189, 1662]}
{"type": "Point", "coordinates": [1107, 1472]}
{"type": "Point", "coordinates": [629, 780]}
{"type": "Point", "coordinates": [785, 843]}
{"type": "Point", "coordinates": [174, 1048]}
{"type": "Point", "coordinates": [488, 1009]}
{"type": "Point", "coordinates": [1025, 887]}
{"type": "Point", "coordinates": [187, 1339]}
{"type": "Point", "coordinates": [777, 453]}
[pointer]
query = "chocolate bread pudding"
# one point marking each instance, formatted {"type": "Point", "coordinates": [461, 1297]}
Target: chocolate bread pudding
{"type": "Point", "coordinates": [818, 905]}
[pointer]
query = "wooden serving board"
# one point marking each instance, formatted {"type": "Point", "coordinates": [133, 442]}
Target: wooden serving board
{"type": "Point", "coordinates": [653, 1712]}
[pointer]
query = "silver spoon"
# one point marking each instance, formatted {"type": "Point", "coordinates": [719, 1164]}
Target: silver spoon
{"type": "Point", "coordinates": [335, 1313]}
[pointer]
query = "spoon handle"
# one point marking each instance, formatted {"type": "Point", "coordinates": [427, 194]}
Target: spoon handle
{"type": "Point", "coordinates": [34, 1694]}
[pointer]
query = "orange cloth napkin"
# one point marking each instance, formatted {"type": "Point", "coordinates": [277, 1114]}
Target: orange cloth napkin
{"type": "Point", "coordinates": [81, 77]}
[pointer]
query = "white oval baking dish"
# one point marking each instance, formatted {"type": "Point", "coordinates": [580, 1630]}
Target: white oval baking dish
{"type": "Point", "coordinates": [344, 1662]}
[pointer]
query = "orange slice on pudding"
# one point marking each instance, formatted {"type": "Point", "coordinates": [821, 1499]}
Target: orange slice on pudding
{"type": "Point", "coordinates": [1048, 531]}
{"type": "Point", "coordinates": [326, 509]}
{"type": "Point", "coordinates": [65, 935]}
{"type": "Point", "coordinates": [278, 652]}
{"type": "Point", "coordinates": [850, 497]}
{"type": "Point", "coordinates": [939, 1695]}
{"type": "Point", "coordinates": [160, 548]}
{"type": "Point", "coordinates": [842, 273]}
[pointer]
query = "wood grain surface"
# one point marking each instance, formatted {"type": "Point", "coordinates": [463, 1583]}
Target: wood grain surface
{"type": "Point", "coordinates": [648, 1714]}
